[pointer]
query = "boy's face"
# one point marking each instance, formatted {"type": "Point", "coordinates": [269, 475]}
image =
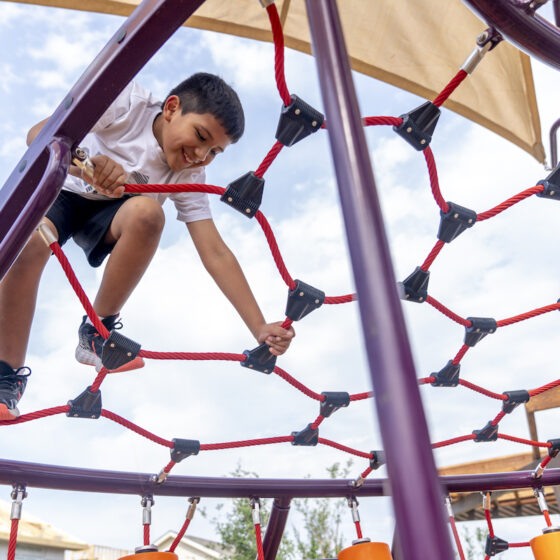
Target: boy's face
{"type": "Point", "coordinates": [190, 140]}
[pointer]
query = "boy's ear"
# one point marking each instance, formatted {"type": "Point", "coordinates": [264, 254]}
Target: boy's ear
{"type": "Point", "coordinates": [172, 105]}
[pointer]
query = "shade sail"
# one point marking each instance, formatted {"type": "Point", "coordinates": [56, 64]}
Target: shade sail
{"type": "Point", "coordinates": [416, 45]}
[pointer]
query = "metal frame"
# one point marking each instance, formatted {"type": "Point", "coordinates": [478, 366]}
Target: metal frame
{"type": "Point", "coordinates": [413, 483]}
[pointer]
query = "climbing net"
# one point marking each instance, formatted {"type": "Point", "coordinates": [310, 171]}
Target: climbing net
{"type": "Point", "coordinates": [299, 120]}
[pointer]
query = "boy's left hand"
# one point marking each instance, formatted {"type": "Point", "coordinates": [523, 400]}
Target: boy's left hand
{"type": "Point", "coordinates": [277, 338]}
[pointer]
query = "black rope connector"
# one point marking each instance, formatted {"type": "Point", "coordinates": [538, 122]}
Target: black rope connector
{"type": "Point", "coordinates": [183, 448]}
{"type": "Point", "coordinates": [86, 405]}
{"type": "Point", "coordinates": [554, 448]}
{"type": "Point", "coordinates": [245, 194]}
{"type": "Point", "coordinates": [447, 376]}
{"type": "Point", "coordinates": [551, 185]}
{"type": "Point", "coordinates": [377, 459]}
{"type": "Point", "coordinates": [333, 401]}
{"type": "Point", "coordinates": [260, 359]}
{"type": "Point", "coordinates": [455, 221]}
{"type": "Point", "coordinates": [302, 300]}
{"type": "Point", "coordinates": [495, 545]}
{"type": "Point", "coordinates": [488, 433]}
{"type": "Point", "coordinates": [307, 437]}
{"type": "Point", "coordinates": [118, 350]}
{"type": "Point", "coordinates": [415, 286]}
{"type": "Point", "coordinates": [297, 121]}
{"type": "Point", "coordinates": [514, 399]}
{"type": "Point", "coordinates": [418, 125]}
{"type": "Point", "coordinates": [480, 327]}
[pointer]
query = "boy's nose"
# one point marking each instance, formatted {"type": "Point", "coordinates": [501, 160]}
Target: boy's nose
{"type": "Point", "coordinates": [200, 154]}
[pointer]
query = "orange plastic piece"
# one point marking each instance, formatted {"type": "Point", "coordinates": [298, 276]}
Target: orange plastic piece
{"type": "Point", "coordinates": [547, 546]}
{"type": "Point", "coordinates": [366, 551]}
{"type": "Point", "coordinates": [151, 556]}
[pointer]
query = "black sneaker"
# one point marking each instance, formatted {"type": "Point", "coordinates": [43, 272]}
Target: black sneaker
{"type": "Point", "coordinates": [12, 386]}
{"type": "Point", "coordinates": [90, 345]}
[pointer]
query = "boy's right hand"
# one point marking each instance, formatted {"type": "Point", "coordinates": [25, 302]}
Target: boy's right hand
{"type": "Point", "coordinates": [109, 177]}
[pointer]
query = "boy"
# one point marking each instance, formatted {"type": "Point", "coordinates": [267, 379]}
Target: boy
{"type": "Point", "coordinates": [137, 140]}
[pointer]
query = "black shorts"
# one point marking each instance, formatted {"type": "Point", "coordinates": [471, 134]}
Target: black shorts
{"type": "Point", "coordinates": [85, 220]}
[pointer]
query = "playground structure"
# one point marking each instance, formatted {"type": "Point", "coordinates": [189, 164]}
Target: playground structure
{"type": "Point", "coordinates": [391, 364]}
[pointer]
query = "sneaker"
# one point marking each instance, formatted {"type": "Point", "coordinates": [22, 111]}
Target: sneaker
{"type": "Point", "coordinates": [90, 345]}
{"type": "Point", "coordinates": [12, 386]}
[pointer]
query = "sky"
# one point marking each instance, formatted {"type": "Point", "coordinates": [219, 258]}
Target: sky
{"type": "Point", "coordinates": [504, 267]}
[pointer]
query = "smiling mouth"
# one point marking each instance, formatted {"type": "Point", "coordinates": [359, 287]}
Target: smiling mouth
{"type": "Point", "coordinates": [186, 159]}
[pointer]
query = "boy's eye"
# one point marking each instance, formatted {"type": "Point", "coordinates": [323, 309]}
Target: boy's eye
{"type": "Point", "coordinates": [214, 153]}
{"type": "Point", "coordinates": [202, 138]}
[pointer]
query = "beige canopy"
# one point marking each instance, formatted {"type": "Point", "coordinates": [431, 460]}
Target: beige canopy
{"type": "Point", "coordinates": [417, 45]}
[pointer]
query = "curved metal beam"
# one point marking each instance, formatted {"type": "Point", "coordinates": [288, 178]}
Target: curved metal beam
{"type": "Point", "coordinates": [520, 26]}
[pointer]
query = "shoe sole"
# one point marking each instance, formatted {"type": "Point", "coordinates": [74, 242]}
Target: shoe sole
{"type": "Point", "coordinates": [7, 414]}
{"type": "Point", "coordinates": [88, 358]}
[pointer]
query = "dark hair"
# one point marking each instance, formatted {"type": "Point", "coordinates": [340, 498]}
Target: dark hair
{"type": "Point", "coordinates": [208, 93]}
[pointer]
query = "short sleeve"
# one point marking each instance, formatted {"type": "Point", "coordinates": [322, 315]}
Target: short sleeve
{"type": "Point", "coordinates": [191, 206]}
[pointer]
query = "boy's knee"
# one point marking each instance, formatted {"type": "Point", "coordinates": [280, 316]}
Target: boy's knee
{"type": "Point", "coordinates": [148, 216]}
{"type": "Point", "coordinates": [35, 253]}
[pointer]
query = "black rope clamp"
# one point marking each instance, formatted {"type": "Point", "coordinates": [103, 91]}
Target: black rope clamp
{"type": "Point", "coordinates": [260, 359]}
{"type": "Point", "coordinates": [118, 350]}
{"type": "Point", "coordinates": [297, 121]}
{"type": "Point", "coordinates": [551, 185]}
{"type": "Point", "coordinates": [447, 376]}
{"type": "Point", "coordinates": [514, 399]}
{"type": "Point", "coordinates": [333, 401]}
{"type": "Point", "coordinates": [307, 437]}
{"type": "Point", "coordinates": [554, 448]}
{"type": "Point", "coordinates": [480, 327]}
{"type": "Point", "coordinates": [455, 221]}
{"type": "Point", "coordinates": [302, 300]}
{"type": "Point", "coordinates": [245, 194]}
{"type": "Point", "coordinates": [418, 125]}
{"type": "Point", "coordinates": [183, 448]}
{"type": "Point", "coordinates": [488, 433]}
{"type": "Point", "coordinates": [86, 405]}
{"type": "Point", "coordinates": [377, 459]}
{"type": "Point", "coordinates": [415, 286]}
{"type": "Point", "coordinates": [495, 545]}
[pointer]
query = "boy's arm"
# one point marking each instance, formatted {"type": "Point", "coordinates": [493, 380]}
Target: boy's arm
{"type": "Point", "coordinates": [222, 265]}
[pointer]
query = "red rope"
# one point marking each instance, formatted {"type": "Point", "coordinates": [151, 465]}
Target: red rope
{"type": "Point", "coordinates": [98, 380]}
{"type": "Point", "coordinates": [489, 522]}
{"type": "Point", "coordinates": [519, 544]}
{"type": "Point", "coordinates": [528, 315]}
{"type": "Point", "coordinates": [450, 88]}
{"type": "Point", "coordinates": [299, 386]}
{"type": "Point", "coordinates": [13, 540]}
{"type": "Point", "coordinates": [340, 299]}
{"type": "Point", "coordinates": [344, 448]}
{"type": "Point", "coordinates": [258, 535]}
{"type": "Point", "coordinates": [447, 312]}
{"type": "Point", "coordinates": [275, 250]}
{"type": "Point", "coordinates": [367, 472]}
{"type": "Point", "coordinates": [498, 418]}
{"type": "Point", "coordinates": [460, 354]}
{"type": "Point", "coordinates": [198, 356]}
{"type": "Point", "coordinates": [433, 254]}
{"type": "Point", "coordinates": [361, 396]}
{"type": "Point", "coordinates": [317, 422]}
{"type": "Point", "coordinates": [146, 534]}
{"type": "Point", "coordinates": [180, 535]}
{"type": "Point", "coordinates": [434, 182]}
{"type": "Point", "coordinates": [509, 203]}
{"type": "Point", "coordinates": [453, 441]}
{"type": "Point", "coordinates": [373, 121]}
{"type": "Point", "coordinates": [358, 529]}
{"type": "Point", "coordinates": [131, 426]}
{"type": "Point", "coordinates": [547, 518]}
{"type": "Point", "coordinates": [278, 38]}
{"type": "Point", "coordinates": [456, 537]}
{"type": "Point", "coordinates": [469, 385]}
{"type": "Point", "coordinates": [524, 441]}
{"type": "Point", "coordinates": [245, 443]}
{"type": "Point", "coordinates": [185, 187]}
{"type": "Point", "coordinates": [55, 248]}
{"type": "Point", "coordinates": [544, 388]}
{"type": "Point", "coordinates": [269, 158]}
{"type": "Point", "coordinates": [36, 415]}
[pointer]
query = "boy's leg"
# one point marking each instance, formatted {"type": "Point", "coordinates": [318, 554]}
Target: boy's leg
{"type": "Point", "coordinates": [18, 295]}
{"type": "Point", "coordinates": [136, 231]}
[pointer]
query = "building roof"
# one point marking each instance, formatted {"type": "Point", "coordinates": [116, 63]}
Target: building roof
{"type": "Point", "coordinates": [32, 530]}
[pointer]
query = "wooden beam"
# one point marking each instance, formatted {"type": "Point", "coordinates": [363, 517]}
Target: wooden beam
{"type": "Point", "coordinates": [508, 463]}
{"type": "Point", "coordinates": [544, 401]}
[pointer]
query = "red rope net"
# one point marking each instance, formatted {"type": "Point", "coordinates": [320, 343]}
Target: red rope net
{"type": "Point", "coordinates": [434, 379]}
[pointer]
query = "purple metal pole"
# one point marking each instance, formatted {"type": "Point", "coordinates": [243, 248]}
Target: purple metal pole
{"type": "Point", "coordinates": [275, 527]}
{"type": "Point", "coordinates": [416, 491]}
{"type": "Point", "coordinates": [520, 26]}
{"type": "Point", "coordinates": [554, 143]}
{"type": "Point", "coordinates": [151, 24]}
{"type": "Point", "coordinates": [55, 477]}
